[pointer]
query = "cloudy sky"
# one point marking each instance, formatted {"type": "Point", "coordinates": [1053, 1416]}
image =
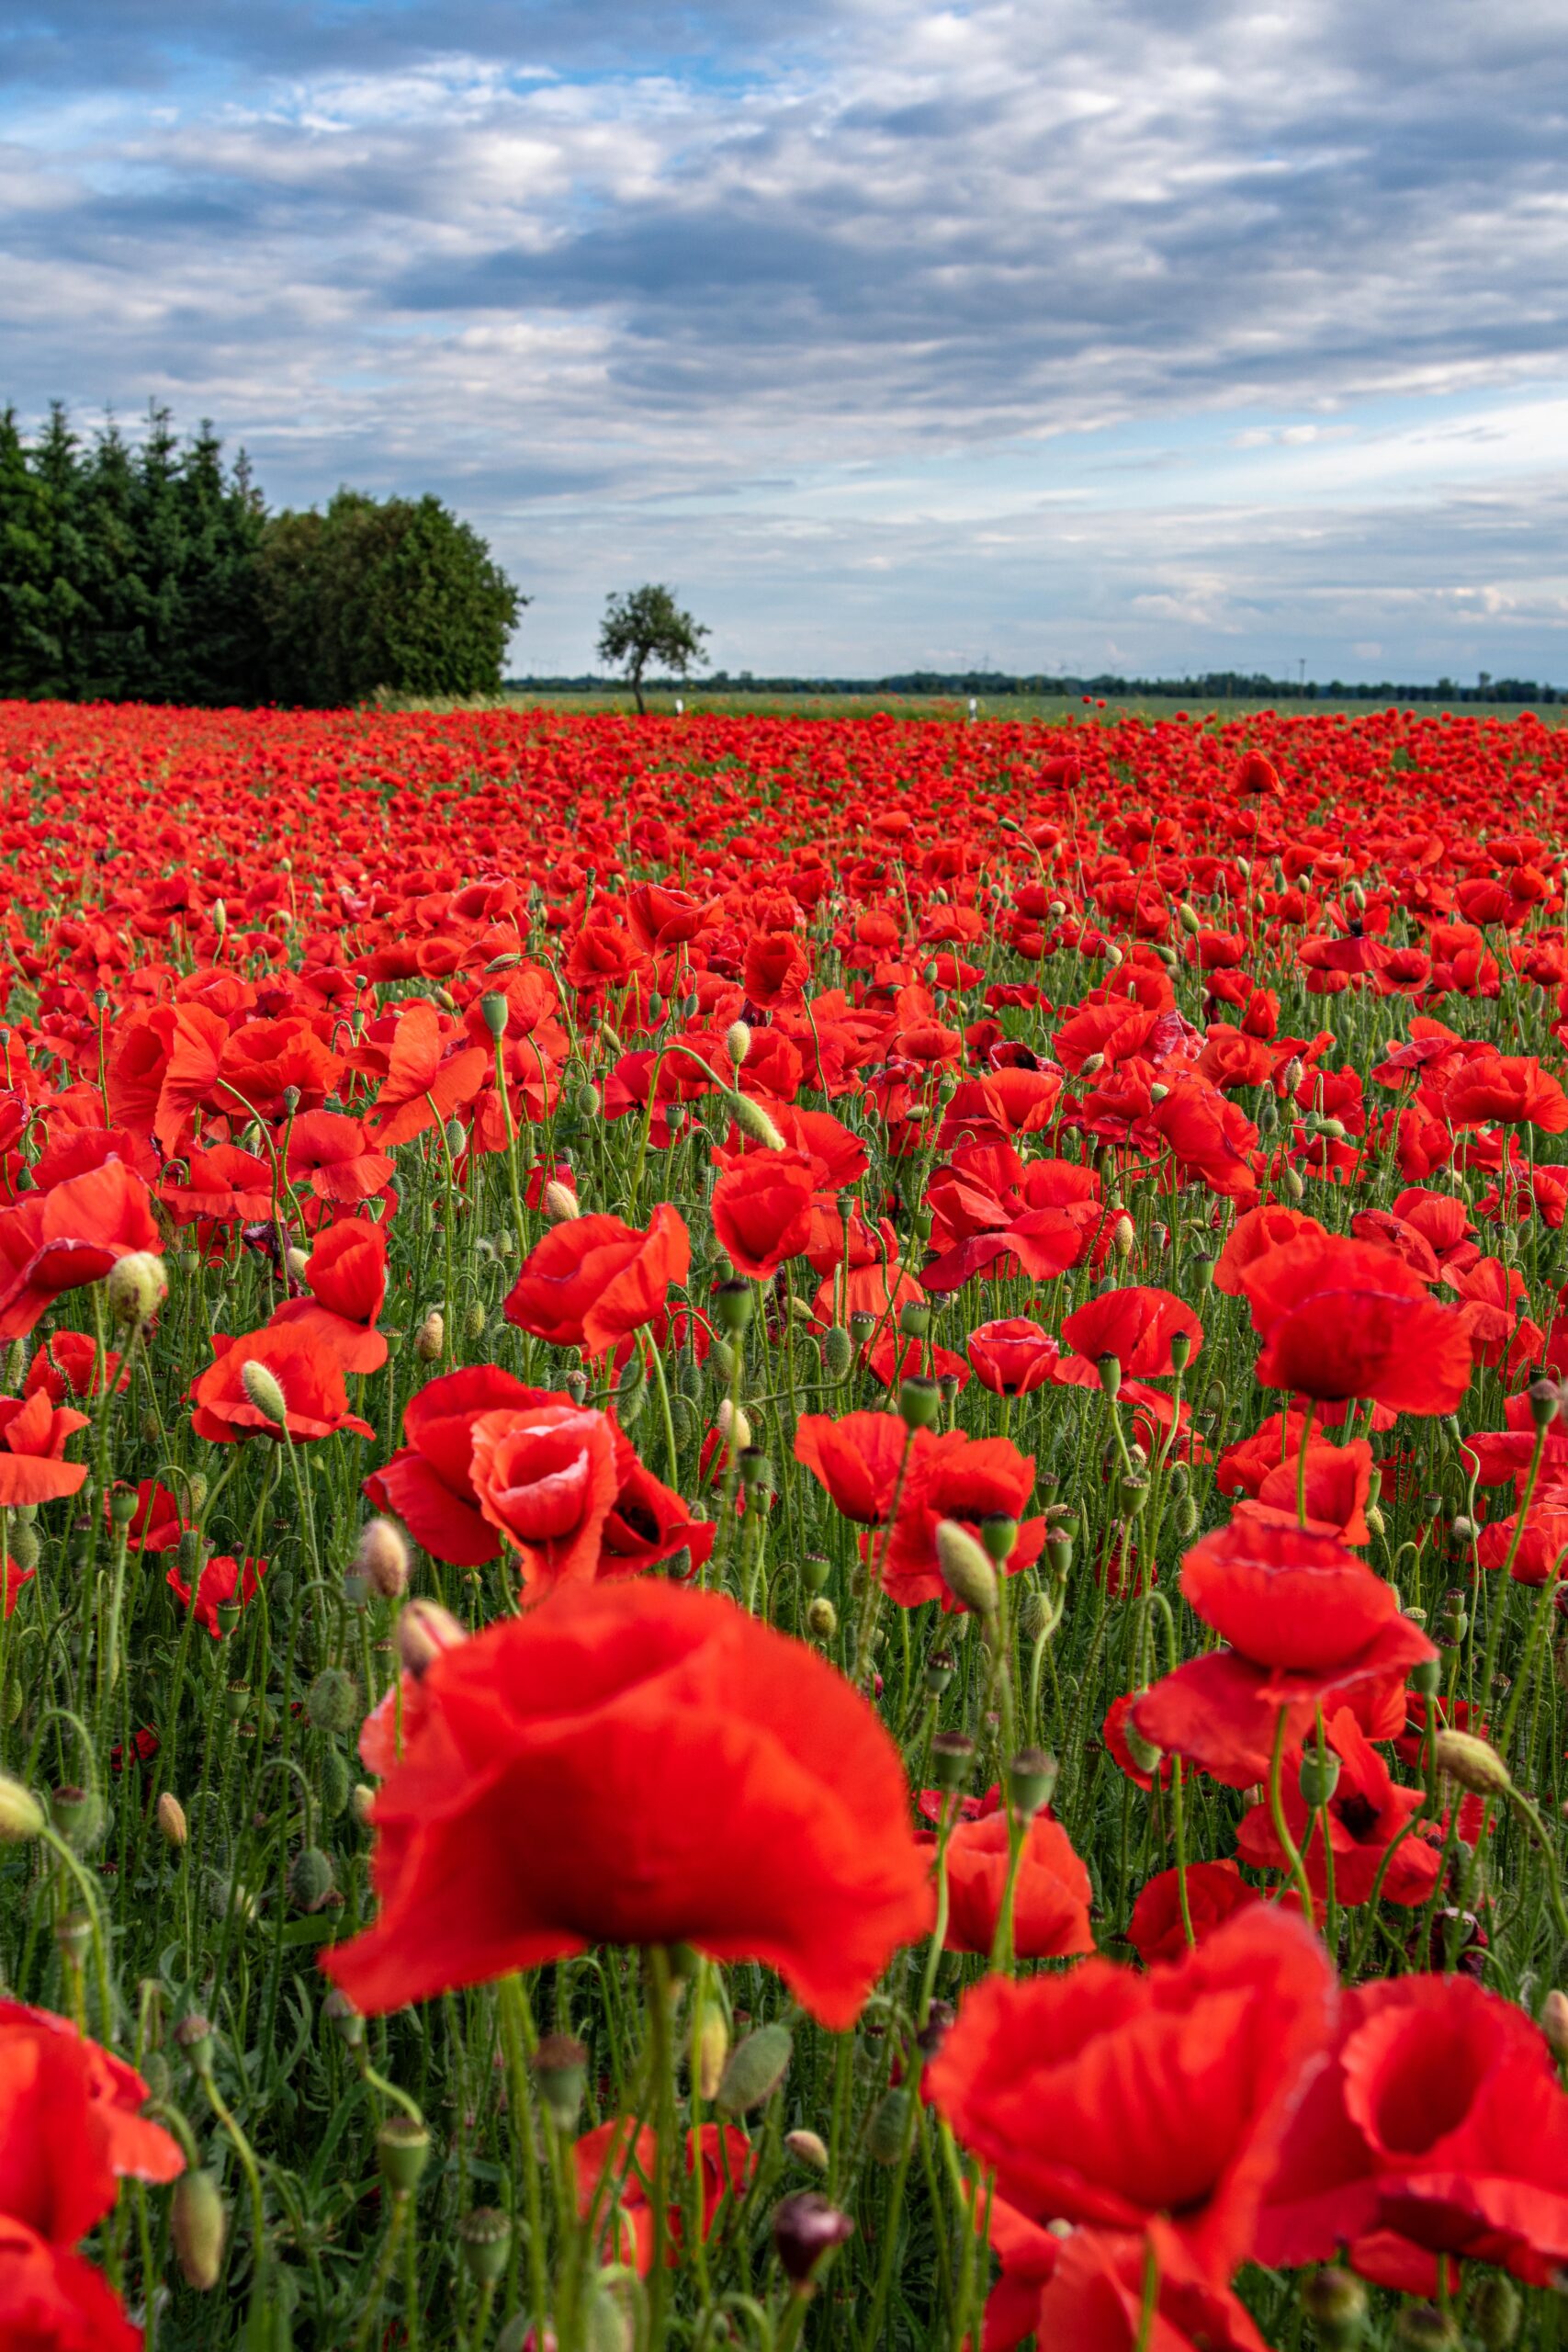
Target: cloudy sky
{"type": "Point", "coordinates": [1144, 335]}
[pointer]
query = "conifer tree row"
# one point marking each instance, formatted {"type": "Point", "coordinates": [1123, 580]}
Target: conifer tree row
{"type": "Point", "coordinates": [151, 570]}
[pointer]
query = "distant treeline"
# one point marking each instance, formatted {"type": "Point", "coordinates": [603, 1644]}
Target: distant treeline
{"type": "Point", "coordinates": [1214, 685]}
{"type": "Point", "coordinates": [151, 570]}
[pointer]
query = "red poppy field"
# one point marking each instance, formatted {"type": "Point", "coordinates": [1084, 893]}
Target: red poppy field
{"type": "Point", "coordinates": [783, 1525]}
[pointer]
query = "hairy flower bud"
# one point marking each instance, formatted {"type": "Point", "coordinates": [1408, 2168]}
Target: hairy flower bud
{"type": "Point", "coordinates": [806, 2229]}
{"type": "Point", "coordinates": [431, 1336]}
{"type": "Point", "coordinates": [712, 2050]}
{"type": "Point", "coordinates": [381, 1557]}
{"type": "Point", "coordinates": [1555, 2024]}
{"type": "Point", "coordinates": [264, 1390]}
{"type": "Point", "coordinates": [753, 1121]}
{"type": "Point", "coordinates": [966, 1568]}
{"type": "Point", "coordinates": [137, 1286]}
{"type": "Point", "coordinates": [559, 1202]}
{"type": "Point", "coordinates": [756, 2068]}
{"type": "Point", "coordinates": [737, 1042]}
{"type": "Point", "coordinates": [171, 1817]}
{"type": "Point", "coordinates": [423, 1630]}
{"type": "Point", "coordinates": [22, 1819]}
{"type": "Point", "coordinates": [1474, 1763]}
{"type": "Point", "coordinates": [807, 2148]}
{"type": "Point", "coordinates": [199, 2224]}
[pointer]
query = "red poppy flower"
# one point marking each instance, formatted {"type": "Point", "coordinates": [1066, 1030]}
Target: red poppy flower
{"type": "Point", "coordinates": [70, 1364]}
{"type": "Point", "coordinates": [1096, 2297]}
{"type": "Point", "coordinates": [1013, 1357]}
{"type": "Point", "coordinates": [346, 1272]}
{"type": "Point", "coordinates": [1509, 1088]}
{"type": "Point", "coordinates": [968, 1479]}
{"type": "Point", "coordinates": [1309, 1625]}
{"type": "Point", "coordinates": [594, 1279]}
{"type": "Point", "coordinates": [53, 2301]}
{"type": "Point", "coordinates": [761, 1211]}
{"type": "Point", "coordinates": [1215, 1891]}
{"type": "Point", "coordinates": [1338, 1489]}
{"type": "Point", "coordinates": [776, 968]}
{"type": "Point", "coordinates": [1345, 1318]}
{"type": "Point", "coordinates": [1136, 1326]}
{"type": "Point", "coordinates": [1254, 1234]}
{"type": "Point", "coordinates": [329, 1151]}
{"type": "Point", "coordinates": [1051, 1899]}
{"type": "Point", "coordinates": [1113, 1732]}
{"type": "Point", "coordinates": [222, 1582]}
{"type": "Point", "coordinates": [309, 1375]}
{"type": "Point", "coordinates": [429, 1485]}
{"type": "Point", "coordinates": [1150, 2102]}
{"type": "Point", "coordinates": [857, 1459]}
{"type": "Point", "coordinates": [70, 2126]}
{"type": "Point", "coordinates": [430, 1073]}
{"type": "Point", "coordinates": [647, 1522]}
{"type": "Point", "coordinates": [639, 1763]}
{"type": "Point", "coordinates": [223, 1183]}
{"type": "Point", "coordinates": [57, 1241]}
{"type": "Point", "coordinates": [1366, 1813]}
{"type": "Point", "coordinates": [32, 1446]}
{"type": "Point", "coordinates": [545, 1475]}
{"type": "Point", "coordinates": [1439, 2118]}
{"type": "Point", "coordinates": [614, 2174]}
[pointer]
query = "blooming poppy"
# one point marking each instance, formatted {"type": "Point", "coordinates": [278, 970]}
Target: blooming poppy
{"type": "Point", "coordinates": [71, 2126]}
{"type": "Point", "coordinates": [58, 1240]}
{"type": "Point", "coordinates": [346, 1274]}
{"type": "Point", "coordinates": [429, 1484]}
{"type": "Point", "coordinates": [639, 1763]}
{"type": "Point", "coordinates": [592, 1279]}
{"type": "Point", "coordinates": [613, 2173]}
{"type": "Point", "coordinates": [965, 1478]}
{"type": "Point", "coordinates": [1366, 1813]}
{"type": "Point", "coordinates": [858, 1459]}
{"type": "Point", "coordinates": [1338, 1489]}
{"type": "Point", "coordinates": [1051, 1895]}
{"type": "Point", "coordinates": [223, 1583]}
{"type": "Point", "coordinates": [1308, 1624]}
{"type": "Point", "coordinates": [761, 1211]}
{"type": "Point", "coordinates": [308, 1373]}
{"type": "Point", "coordinates": [53, 2301]}
{"type": "Point", "coordinates": [1214, 1891]}
{"type": "Point", "coordinates": [1343, 1318]}
{"type": "Point", "coordinates": [1148, 2102]}
{"type": "Point", "coordinates": [1135, 1325]}
{"type": "Point", "coordinates": [1097, 2299]}
{"type": "Point", "coordinates": [545, 1477]}
{"type": "Point", "coordinates": [70, 1364]}
{"type": "Point", "coordinates": [329, 1151]}
{"type": "Point", "coordinates": [33, 1434]}
{"type": "Point", "coordinates": [1013, 1357]}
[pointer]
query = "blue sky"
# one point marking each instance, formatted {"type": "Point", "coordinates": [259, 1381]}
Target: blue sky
{"type": "Point", "coordinates": [1076, 334]}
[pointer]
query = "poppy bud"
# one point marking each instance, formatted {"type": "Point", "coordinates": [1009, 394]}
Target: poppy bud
{"type": "Point", "coordinates": [332, 1702]}
{"type": "Point", "coordinates": [919, 1402]}
{"type": "Point", "coordinates": [733, 1425]}
{"type": "Point", "coordinates": [753, 1121]}
{"type": "Point", "coordinates": [1092, 1065]}
{"type": "Point", "coordinates": [966, 1570]}
{"type": "Point", "coordinates": [1336, 2301]}
{"type": "Point", "coordinates": [431, 1336]}
{"type": "Point", "coordinates": [1474, 1763]}
{"type": "Point", "coordinates": [297, 1262]}
{"type": "Point", "coordinates": [807, 2148]}
{"type": "Point", "coordinates": [22, 1819]}
{"type": "Point", "coordinates": [1031, 1777]}
{"type": "Point", "coordinates": [806, 2231]}
{"type": "Point", "coordinates": [170, 1818]}
{"type": "Point", "coordinates": [264, 1390]}
{"type": "Point", "coordinates": [24, 1545]}
{"type": "Point", "coordinates": [381, 1557]}
{"type": "Point", "coordinates": [455, 1137]}
{"type": "Point", "coordinates": [363, 1800]}
{"type": "Point", "coordinates": [219, 917]}
{"type": "Point", "coordinates": [838, 1352]}
{"type": "Point", "coordinates": [757, 1471]}
{"type": "Point", "coordinates": [952, 1758]}
{"type": "Point", "coordinates": [311, 1878]}
{"type": "Point", "coordinates": [484, 2240]}
{"type": "Point", "coordinates": [423, 1630]}
{"type": "Point", "coordinates": [189, 1554]}
{"type": "Point", "coordinates": [889, 2123]}
{"type": "Point", "coordinates": [737, 1042]}
{"type": "Point", "coordinates": [194, 2036]}
{"type": "Point", "coordinates": [1124, 1236]}
{"type": "Point", "coordinates": [1145, 1755]}
{"type": "Point", "coordinates": [199, 2224]}
{"type": "Point", "coordinates": [1318, 1778]}
{"type": "Point", "coordinates": [495, 1011]}
{"type": "Point", "coordinates": [822, 1619]}
{"type": "Point", "coordinates": [1422, 2327]}
{"type": "Point", "coordinates": [757, 2067]}
{"type": "Point", "coordinates": [1555, 2024]}
{"type": "Point", "coordinates": [340, 2013]}
{"type": "Point", "coordinates": [560, 1202]}
{"type": "Point", "coordinates": [403, 2151]}
{"type": "Point", "coordinates": [560, 2076]}
{"type": "Point", "coordinates": [1496, 2311]}
{"type": "Point", "coordinates": [1291, 1184]}
{"type": "Point", "coordinates": [137, 1286]}
{"type": "Point", "coordinates": [712, 2050]}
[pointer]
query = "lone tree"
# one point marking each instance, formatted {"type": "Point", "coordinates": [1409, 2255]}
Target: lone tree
{"type": "Point", "coordinates": [647, 625]}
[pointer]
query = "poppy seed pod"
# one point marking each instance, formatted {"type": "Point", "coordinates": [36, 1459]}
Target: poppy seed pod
{"type": "Point", "coordinates": [136, 1286]}
{"type": "Point", "coordinates": [423, 1630]}
{"type": "Point", "coordinates": [1110, 1370]}
{"type": "Point", "coordinates": [265, 1391]}
{"type": "Point", "coordinates": [381, 1557]}
{"type": "Point", "coordinates": [1474, 1763]}
{"type": "Point", "coordinates": [806, 2231]}
{"type": "Point", "coordinates": [484, 2240]}
{"type": "Point", "coordinates": [495, 1012]}
{"type": "Point", "coordinates": [998, 1533]}
{"type": "Point", "coordinates": [953, 1759]}
{"type": "Point", "coordinates": [733, 1302]}
{"type": "Point", "coordinates": [919, 1402]}
{"type": "Point", "coordinates": [1545, 1402]}
{"type": "Point", "coordinates": [403, 2151]}
{"type": "Point", "coordinates": [560, 2076]}
{"type": "Point", "coordinates": [1032, 1778]}
{"type": "Point", "coordinates": [966, 1569]}
{"type": "Point", "coordinates": [1318, 1778]}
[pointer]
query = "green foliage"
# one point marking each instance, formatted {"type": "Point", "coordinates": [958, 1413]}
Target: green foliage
{"type": "Point", "coordinates": [647, 625]}
{"type": "Point", "coordinates": [153, 573]}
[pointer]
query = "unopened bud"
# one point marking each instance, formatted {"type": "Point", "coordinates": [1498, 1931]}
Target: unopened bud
{"type": "Point", "coordinates": [806, 2229]}
{"type": "Point", "coordinates": [821, 1618]}
{"type": "Point", "coordinates": [737, 1042]}
{"type": "Point", "coordinates": [431, 1336]}
{"type": "Point", "coordinates": [381, 1557]}
{"type": "Point", "coordinates": [807, 2148]}
{"type": "Point", "coordinates": [264, 1390]}
{"type": "Point", "coordinates": [423, 1630]}
{"type": "Point", "coordinates": [966, 1567]}
{"type": "Point", "coordinates": [137, 1286]}
{"type": "Point", "coordinates": [199, 2224]}
{"type": "Point", "coordinates": [713, 2050]}
{"type": "Point", "coordinates": [1474, 1763]}
{"type": "Point", "coordinates": [171, 1815]}
{"type": "Point", "coordinates": [1555, 2024]}
{"type": "Point", "coordinates": [22, 1819]}
{"type": "Point", "coordinates": [733, 1425]}
{"type": "Point", "coordinates": [560, 1202]}
{"type": "Point", "coordinates": [756, 2068]}
{"type": "Point", "coordinates": [1335, 2302]}
{"type": "Point", "coordinates": [753, 1121]}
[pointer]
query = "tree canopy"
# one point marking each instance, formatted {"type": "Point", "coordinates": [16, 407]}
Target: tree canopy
{"type": "Point", "coordinates": [646, 624]}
